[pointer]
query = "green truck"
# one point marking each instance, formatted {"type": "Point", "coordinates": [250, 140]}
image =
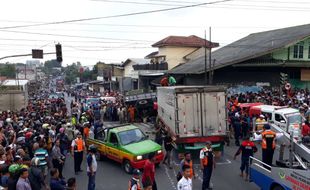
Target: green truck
{"type": "Point", "coordinates": [127, 145]}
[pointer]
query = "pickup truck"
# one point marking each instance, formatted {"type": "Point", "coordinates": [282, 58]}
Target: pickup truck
{"type": "Point", "coordinates": [126, 144]}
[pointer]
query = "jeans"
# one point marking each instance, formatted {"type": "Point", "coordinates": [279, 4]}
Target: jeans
{"type": "Point", "coordinates": [207, 173]}
{"type": "Point", "coordinates": [91, 181]}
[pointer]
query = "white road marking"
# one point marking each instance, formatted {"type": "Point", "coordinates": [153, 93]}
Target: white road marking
{"type": "Point", "coordinates": [224, 163]}
{"type": "Point", "coordinates": [169, 177]}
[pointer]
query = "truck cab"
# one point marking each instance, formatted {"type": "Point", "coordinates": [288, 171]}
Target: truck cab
{"type": "Point", "coordinates": [127, 145]}
{"type": "Point", "coordinates": [288, 119]}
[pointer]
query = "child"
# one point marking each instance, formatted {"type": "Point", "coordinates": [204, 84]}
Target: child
{"type": "Point", "coordinates": [248, 149]}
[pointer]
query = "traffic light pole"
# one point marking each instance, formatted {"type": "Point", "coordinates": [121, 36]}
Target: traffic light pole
{"type": "Point", "coordinates": [24, 55]}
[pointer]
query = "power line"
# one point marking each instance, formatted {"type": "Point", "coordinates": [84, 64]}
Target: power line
{"type": "Point", "coordinates": [73, 36]}
{"type": "Point", "coordinates": [117, 16]}
{"type": "Point", "coordinates": [69, 41]}
{"type": "Point", "coordinates": [216, 6]}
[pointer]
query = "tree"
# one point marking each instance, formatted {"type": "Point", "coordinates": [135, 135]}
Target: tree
{"type": "Point", "coordinates": [8, 70]}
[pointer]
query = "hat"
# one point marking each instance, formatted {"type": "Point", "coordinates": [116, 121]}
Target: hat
{"type": "Point", "coordinates": [136, 172]}
{"type": "Point", "coordinates": [208, 143]}
{"type": "Point", "coordinates": [14, 168]}
{"type": "Point", "coordinates": [17, 158]}
{"type": "Point", "coordinates": [61, 130]}
{"type": "Point", "coordinates": [45, 125]}
{"type": "Point", "coordinates": [262, 116]}
{"type": "Point", "coordinates": [237, 114]}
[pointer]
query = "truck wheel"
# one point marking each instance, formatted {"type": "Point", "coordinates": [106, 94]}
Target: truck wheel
{"type": "Point", "coordinates": [127, 166]}
{"type": "Point", "coordinates": [277, 187]}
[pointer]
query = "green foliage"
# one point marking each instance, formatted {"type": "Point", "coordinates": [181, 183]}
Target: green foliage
{"type": "Point", "coordinates": [73, 71]}
{"type": "Point", "coordinates": [8, 70]}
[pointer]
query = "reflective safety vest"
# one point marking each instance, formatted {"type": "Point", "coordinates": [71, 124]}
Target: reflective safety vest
{"type": "Point", "coordinates": [190, 164]}
{"type": "Point", "coordinates": [208, 157]}
{"type": "Point", "coordinates": [79, 145]}
{"type": "Point", "coordinates": [268, 139]}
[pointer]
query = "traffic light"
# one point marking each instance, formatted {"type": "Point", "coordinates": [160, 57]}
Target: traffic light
{"type": "Point", "coordinates": [58, 53]}
{"type": "Point", "coordinates": [283, 78]}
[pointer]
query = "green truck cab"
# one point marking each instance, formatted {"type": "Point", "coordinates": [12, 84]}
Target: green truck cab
{"type": "Point", "coordinates": [126, 144]}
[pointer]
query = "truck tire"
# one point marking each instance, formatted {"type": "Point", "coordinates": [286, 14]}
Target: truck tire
{"type": "Point", "coordinates": [127, 166]}
{"type": "Point", "coordinates": [277, 187]}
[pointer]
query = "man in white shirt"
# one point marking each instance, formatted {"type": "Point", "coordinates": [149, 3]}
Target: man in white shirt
{"type": "Point", "coordinates": [185, 182]}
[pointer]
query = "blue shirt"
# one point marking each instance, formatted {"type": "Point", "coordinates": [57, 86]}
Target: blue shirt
{"type": "Point", "coordinates": [57, 184]}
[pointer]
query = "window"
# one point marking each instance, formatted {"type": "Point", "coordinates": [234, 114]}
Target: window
{"type": "Point", "coordinates": [279, 118]}
{"type": "Point", "coordinates": [131, 136]}
{"type": "Point", "coordinates": [113, 138]}
{"type": "Point", "coordinates": [298, 51]}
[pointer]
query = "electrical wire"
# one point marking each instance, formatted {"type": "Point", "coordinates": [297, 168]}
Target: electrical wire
{"type": "Point", "coordinates": [72, 36]}
{"type": "Point", "coordinates": [117, 16]}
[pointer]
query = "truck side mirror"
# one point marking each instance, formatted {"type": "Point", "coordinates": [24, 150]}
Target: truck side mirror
{"type": "Point", "coordinates": [282, 121]}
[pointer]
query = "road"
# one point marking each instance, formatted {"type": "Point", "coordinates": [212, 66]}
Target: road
{"type": "Point", "coordinates": [110, 175]}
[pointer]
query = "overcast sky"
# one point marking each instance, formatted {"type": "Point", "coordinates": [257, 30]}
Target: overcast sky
{"type": "Point", "coordinates": [113, 40]}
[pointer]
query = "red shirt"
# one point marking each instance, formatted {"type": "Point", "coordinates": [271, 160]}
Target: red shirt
{"type": "Point", "coordinates": [149, 171]}
{"type": "Point", "coordinates": [164, 81]}
{"type": "Point", "coordinates": [305, 130]}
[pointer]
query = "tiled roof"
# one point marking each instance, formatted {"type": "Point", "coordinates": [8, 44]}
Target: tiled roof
{"type": "Point", "coordinates": [185, 41]}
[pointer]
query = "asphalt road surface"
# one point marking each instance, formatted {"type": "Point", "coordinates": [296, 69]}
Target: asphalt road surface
{"type": "Point", "coordinates": [110, 175]}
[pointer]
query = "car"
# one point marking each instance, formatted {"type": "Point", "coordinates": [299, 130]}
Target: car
{"type": "Point", "coordinates": [127, 145]}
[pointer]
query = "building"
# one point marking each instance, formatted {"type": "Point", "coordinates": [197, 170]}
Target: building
{"type": "Point", "coordinates": [256, 58]}
{"type": "Point", "coordinates": [176, 50]}
{"type": "Point", "coordinates": [13, 95]}
{"type": "Point", "coordinates": [26, 71]}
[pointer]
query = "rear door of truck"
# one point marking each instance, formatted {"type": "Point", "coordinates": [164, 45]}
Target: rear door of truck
{"type": "Point", "coordinates": [214, 113]}
{"type": "Point", "coordinates": [189, 112]}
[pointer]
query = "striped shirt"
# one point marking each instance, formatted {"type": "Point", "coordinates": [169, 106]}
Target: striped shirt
{"type": "Point", "coordinates": [42, 154]}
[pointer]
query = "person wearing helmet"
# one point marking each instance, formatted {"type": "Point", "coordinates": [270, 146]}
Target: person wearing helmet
{"type": "Point", "coordinates": [35, 175]}
{"type": "Point", "coordinates": [91, 167]}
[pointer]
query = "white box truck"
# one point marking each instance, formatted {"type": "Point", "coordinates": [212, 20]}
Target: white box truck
{"type": "Point", "coordinates": [194, 115]}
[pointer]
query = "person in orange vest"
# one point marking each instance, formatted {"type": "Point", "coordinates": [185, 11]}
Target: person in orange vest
{"type": "Point", "coordinates": [188, 161]}
{"type": "Point", "coordinates": [134, 182]}
{"type": "Point", "coordinates": [86, 130]}
{"type": "Point", "coordinates": [207, 165]}
{"type": "Point", "coordinates": [77, 150]}
{"type": "Point", "coordinates": [131, 111]}
{"type": "Point", "coordinates": [268, 144]}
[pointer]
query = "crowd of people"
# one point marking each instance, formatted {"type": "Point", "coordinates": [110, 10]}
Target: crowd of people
{"type": "Point", "coordinates": [34, 144]}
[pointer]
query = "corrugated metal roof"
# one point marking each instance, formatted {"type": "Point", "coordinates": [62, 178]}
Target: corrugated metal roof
{"type": "Point", "coordinates": [252, 46]}
{"type": "Point", "coordinates": [137, 61]}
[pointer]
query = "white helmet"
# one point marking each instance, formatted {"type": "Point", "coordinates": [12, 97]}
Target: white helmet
{"type": "Point", "coordinates": [8, 120]}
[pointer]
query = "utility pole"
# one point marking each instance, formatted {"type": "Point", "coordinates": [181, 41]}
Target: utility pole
{"type": "Point", "coordinates": [206, 75]}
{"type": "Point", "coordinates": [210, 59]}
